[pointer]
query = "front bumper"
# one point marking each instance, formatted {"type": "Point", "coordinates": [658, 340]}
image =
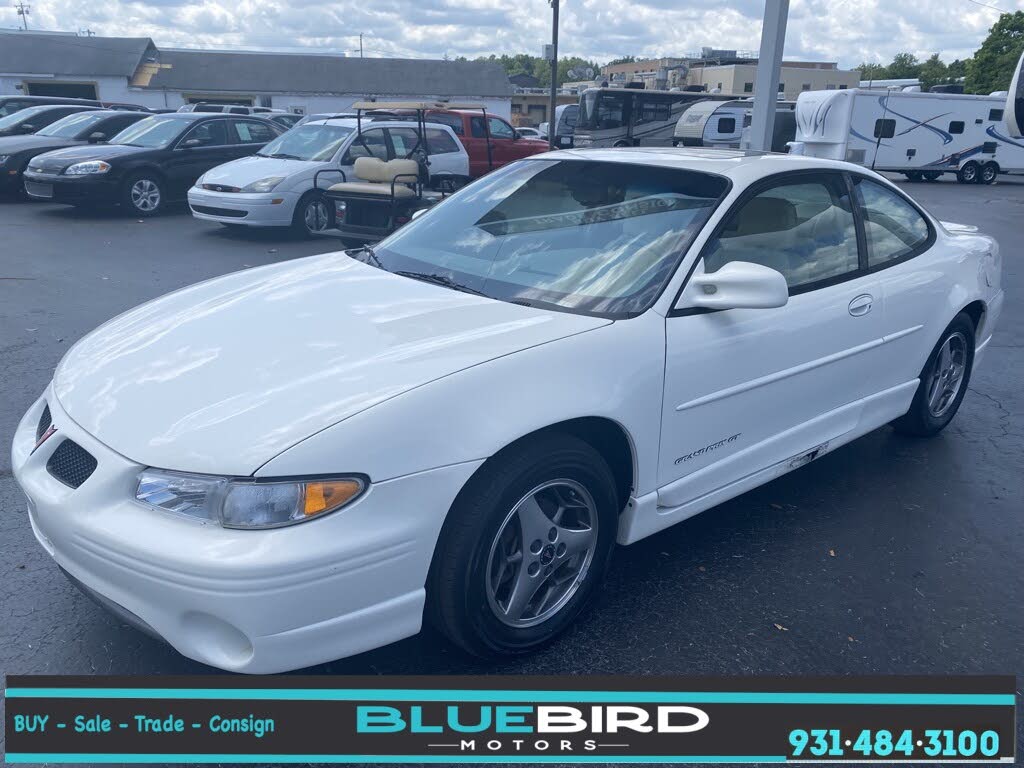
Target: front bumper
{"type": "Point", "coordinates": [245, 601]}
{"type": "Point", "coordinates": [96, 188]}
{"type": "Point", "coordinates": [250, 209]}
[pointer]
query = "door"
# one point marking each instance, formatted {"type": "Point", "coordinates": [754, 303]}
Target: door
{"type": "Point", "coordinates": [746, 389]}
{"type": "Point", "coordinates": [202, 147]}
{"type": "Point", "coordinates": [444, 154]}
{"type": "Point", "coordinates": [249, 136]}
{"type": "Point", "coordinates": [504, 148]}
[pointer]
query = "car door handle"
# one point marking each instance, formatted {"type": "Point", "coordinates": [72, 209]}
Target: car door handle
{"type": "Point", "coordinates": [862, 304]}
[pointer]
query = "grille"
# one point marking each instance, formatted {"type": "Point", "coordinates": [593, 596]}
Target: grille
{"type": "Point", "coordinates": [71, 464]}
{"type": "Point", "coordinates": [37, 189]}
{"type": "Point", "coordinates": [220, 188]}
{"type": "Point", "coordinates": [209, 210]}
{"type": "Point", "coordinates": [45, 420]}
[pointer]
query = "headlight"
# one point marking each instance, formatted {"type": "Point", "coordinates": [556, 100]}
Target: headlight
{"type": "Point", "coordinates": [246, 503]}
{"type": "Point", "coordinates": [263, 185]}
{"type": "Point", "coordinates": [83, 169]}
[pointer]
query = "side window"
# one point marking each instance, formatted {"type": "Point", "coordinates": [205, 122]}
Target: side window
{"type": "Point", "coordinates": [440, 142]}
{"type": "Point", "coordinates": [957, 126]}
{"type": "Point", "coordinates": [212, 133]}
{"type": "Point", "coordinates": [371, 144]}
{"type": "Point", "coordinates": [995, 114]}
{"type": "Point", "coordinates": [804, 229]}
{"type": "Point", "coordinates": [893, 226]}
{"type": "Point", "coordinates": [452, 121]}
{"type": "Point", "coordinates": [116, 124]}
{"type": "Point", "coordinates": [404, 141]}
{"type": "Point", "coordinates": [500, 129]}
{"type": "Point", "coordinates": [651, 111]}
{"type": "Point", "coordinates": [727, 125]}
{"type": "Point", "coordinates": [252, 132]}
{"type": "Point", "coordinates": [885, 128]}
{"type": "Point", "coordinates": [476, 125]}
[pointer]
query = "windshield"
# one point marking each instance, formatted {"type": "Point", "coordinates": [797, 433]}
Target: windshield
{"type": "Point", "coordinates": [22, 115]}
{"type": "Point", "coordinates": [154, 132]}
{"type": "Point", "coordinates": [603, 110]}
{"type": "Point", "coordinates": [307, 142]}
{"type": "Point", "coordinates": [11, 106]}
{"type": "Point", "coordinates": [584, 236]}
{"type": "Point", "coordinates": [72, 126]}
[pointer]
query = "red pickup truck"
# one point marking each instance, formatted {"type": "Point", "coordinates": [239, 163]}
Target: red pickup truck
{"type": "Point", "coordinates": [475, 134]}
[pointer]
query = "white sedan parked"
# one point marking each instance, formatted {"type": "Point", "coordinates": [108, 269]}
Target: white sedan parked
{"type": "Point", "coordinates": [295, 463]}
{"type": "Point", "coordinates": [275, 187]}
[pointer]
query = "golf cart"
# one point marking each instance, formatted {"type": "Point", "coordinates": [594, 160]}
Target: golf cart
{"type": "Point", "coordinates": [388, 193]}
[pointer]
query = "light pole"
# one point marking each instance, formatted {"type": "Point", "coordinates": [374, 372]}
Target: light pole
{"type": "Point", "coordinates": [554, 75]}
{"type": "Point", "coordinates": [766, 87]}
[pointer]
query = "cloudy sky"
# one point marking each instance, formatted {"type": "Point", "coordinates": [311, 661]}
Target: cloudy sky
{"type": "Point", "coordinates": [849, 31]}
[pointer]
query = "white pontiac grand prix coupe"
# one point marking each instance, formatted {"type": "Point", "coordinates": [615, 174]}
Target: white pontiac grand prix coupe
{"type": "Point", "coordinates": [297, 462]}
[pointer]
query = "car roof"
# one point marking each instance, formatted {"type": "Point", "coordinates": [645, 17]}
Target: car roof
{"type": "Point", "coordinates": [743, 166]}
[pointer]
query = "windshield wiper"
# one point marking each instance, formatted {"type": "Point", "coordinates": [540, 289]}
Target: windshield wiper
{"type": "Point", "coordinates": [435, 279]}
{"type": "Point", "coordinates": [370, 255]}
{"type": "Point", "coordinates": [282, 156]}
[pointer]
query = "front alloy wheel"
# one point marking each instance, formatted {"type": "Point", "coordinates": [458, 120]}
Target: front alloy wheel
{"type": "Point", "coordinates": [524, 547]}
{"type": "Point", "coordinates": [541, 553]}
{"type": "Point", "coordinates": [144, 196]}
{"type": "Point", "coordinates": [312, 215]}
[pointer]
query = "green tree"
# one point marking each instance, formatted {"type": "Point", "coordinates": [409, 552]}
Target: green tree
{"type": "Point", "coordinates": [993, 64]}
{"type": "Point", "coordinates": [957, 70]}
{"type": "Point", "coordinates": [904, 66]}
{"type": "Point", "coordinates": [873, 71]}
{"type": "Point", "coordinates": [933, 72]}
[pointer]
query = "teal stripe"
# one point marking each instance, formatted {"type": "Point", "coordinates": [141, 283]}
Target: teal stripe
{"type": "Point", "coordinates": [414, 695]}
{"type": "Point", "coordinates": [86, 757]}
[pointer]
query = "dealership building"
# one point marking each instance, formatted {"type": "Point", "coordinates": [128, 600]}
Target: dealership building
{"type": "Point", "coordinates": [135, 70]}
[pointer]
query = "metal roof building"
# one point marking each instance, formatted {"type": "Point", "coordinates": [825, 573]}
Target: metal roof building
{"type": "Point", "coordinates": [135, 70]}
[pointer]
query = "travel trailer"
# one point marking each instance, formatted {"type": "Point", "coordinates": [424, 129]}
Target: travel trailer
{"type": "Point", "coordinates": [724, 125]}
{"type": "Point", "coordinates": [921, 135]}
{"type": "Point", "coordinates": [1015, 102]}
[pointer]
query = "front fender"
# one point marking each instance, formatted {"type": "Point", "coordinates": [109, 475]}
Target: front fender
{"type": "Point", "coordinates": [615, 371]}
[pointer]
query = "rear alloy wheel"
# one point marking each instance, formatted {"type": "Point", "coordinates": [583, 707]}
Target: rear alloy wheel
{"type": "Point", "coordinates": [969, 173]}
{"type": "Point", "coordinates": [524, 547]}
{"type": "Point", "coordinates": [143, 195]}
{"type": "Point", "coordinates": [312, 215]}
{"type": "Point", "coordinates": [943, 381]}
{"type": "Point", "coordinates": [989, 173]}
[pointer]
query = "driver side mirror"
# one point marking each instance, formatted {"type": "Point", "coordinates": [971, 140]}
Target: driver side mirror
{"type": "Point", "coordinates": [190, 143]}
{"type": "Point", "coordinates": [96, 137]}
{"type": "Point", "coordinates": [28, 128]}
{"type": "Point", "coordinates": [737, 285]}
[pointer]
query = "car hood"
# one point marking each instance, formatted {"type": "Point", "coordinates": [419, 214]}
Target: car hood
{"type": "Point", "coordinates": [246, 170]}
{"type": "Point", "coordinates": [222, 376]}
{"type": "Point", "coordinates": [61, 158]}
{"type": "Point", "coordinates": [12, 144]}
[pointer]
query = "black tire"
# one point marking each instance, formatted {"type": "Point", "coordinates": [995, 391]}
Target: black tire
{"type": "Point", "coordinates": [143, 194]}
{"type": "Point", "coordinates": [913, 175]}
{"type": "Point", "coordinates": [989, 173]}
{"type": "Point", "coordinates": [932, 175]}
{"type": "Point", "coordinates": [969, 173]}
{"type": "Point", "coordinates": [922, 420]}
{"type": "Point", "coordinates": [307, 223]}
{"type": "Point", "coordinates": [622, 144]}
{"type": "Point", "coordinates": [460, 599]}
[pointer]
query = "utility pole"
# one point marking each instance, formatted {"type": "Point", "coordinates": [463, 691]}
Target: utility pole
{"type": "Point", "coordinates": [360, 45]}
{"type": "Point", "coordinates": [23, 11]}
{"type": "Point", "coordinates": [766, 87]}
{"type": "Point", "coordinates": [552, 122]}
{"type": "Point", "coordinates": [86, 33]}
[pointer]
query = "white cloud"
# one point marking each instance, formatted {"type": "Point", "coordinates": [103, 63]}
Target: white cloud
{"type": "Point", "coordinates": [849, 31]}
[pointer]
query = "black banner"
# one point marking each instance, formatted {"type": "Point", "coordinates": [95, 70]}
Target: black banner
{"type": "Point", "coordinates": [452, 720]}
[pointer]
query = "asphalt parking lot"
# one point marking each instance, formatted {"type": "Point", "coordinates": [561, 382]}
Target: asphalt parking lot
{"type": "Point", "coordinates": [891, 555]}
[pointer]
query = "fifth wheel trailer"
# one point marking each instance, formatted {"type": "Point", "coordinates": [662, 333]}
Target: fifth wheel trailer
{"type": "Point", "coordinates": [922, 135]}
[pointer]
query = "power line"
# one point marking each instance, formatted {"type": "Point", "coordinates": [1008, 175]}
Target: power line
{"type": "Point", "coordinates": [986, 5]}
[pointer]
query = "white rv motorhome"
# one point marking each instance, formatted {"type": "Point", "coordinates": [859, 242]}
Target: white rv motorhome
{"type": "Point", "coordinates": [725, 124]}
{"type": "Point", "coordinates": [921, 135]}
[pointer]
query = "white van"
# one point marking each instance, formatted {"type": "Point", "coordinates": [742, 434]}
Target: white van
{"type": "Point", "coordinates": [922, 135]}
{"type": "Point", "coordinates": [275, 188]}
